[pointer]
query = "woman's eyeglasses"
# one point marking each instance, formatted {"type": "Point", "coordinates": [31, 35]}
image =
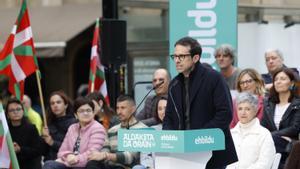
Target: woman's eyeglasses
{"type": "Point", "coordinates": [82, 111]}
{"type": "Point", "coordinates": [246, 82]}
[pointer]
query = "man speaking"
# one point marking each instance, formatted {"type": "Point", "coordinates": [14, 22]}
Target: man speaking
{"type": "Point", "coordinates": [199, 98]}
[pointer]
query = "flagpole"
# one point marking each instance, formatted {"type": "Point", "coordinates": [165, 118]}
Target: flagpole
{"type": "Point", "coordinates": [41, 98]}
{"type": "Point", "coordinates": [93, 83]}
{"type": "Point", "coordinates": [9, 143]}
{"type": "Point", "coordinates": [93, 86]}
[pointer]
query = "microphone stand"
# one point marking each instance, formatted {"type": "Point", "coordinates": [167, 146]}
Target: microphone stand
{"type": "Point", "coordinates": [175, 107]}
{"type": "Point", "coordinates": [153, 88]}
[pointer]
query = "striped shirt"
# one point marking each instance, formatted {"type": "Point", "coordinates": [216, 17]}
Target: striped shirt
{"type": "Point", "coordinates": [124, 158]}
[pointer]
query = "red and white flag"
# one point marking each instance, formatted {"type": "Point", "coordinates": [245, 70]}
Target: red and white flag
{"type": "Point", "coordinates": [8, 157]}
{"type": "Point", "coordinates": [97, 74]}
{"type": "Point", "coordinates": [17, 59]}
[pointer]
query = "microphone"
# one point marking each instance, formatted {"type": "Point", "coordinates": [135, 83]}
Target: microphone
{"type": "Point", "coordinates": [158, 85]}
{"type": "Point", "coordinates": [153, 88]}
{"type": "Point", "coordinates": [172, 99]}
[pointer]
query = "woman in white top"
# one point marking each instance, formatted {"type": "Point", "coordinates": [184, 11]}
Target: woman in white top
{"type": "Point", "coordinates": [254, 144]}
{"type": "Point", "coordinates": [282, 111]}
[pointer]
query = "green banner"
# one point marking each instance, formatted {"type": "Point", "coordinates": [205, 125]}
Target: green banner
{"type": "Point", "coordinates": [211, 22]}
{"type": "Point", "coordinates": [175, 141]}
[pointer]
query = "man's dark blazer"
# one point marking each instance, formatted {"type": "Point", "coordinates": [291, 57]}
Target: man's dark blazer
{"type": "Point", "coordinates": [210, 107]}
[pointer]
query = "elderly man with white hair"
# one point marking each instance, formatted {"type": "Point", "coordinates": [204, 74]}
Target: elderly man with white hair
{"type": "Point", "coordinates": [254, 144]}
{"type": "Point", "coordinates": [274, 61]}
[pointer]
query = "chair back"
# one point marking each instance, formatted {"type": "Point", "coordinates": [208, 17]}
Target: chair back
{"type": "Point", "coordinates": [276, 161]}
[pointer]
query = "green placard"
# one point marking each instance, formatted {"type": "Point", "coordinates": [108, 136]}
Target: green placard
{"type": "Point", "coordinates": [174, 141]}
{"type": "Point", "coordinates": [211, 22]}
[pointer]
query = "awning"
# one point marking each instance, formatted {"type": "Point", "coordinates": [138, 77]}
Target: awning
{"type": "Point", "coordinates": [52, 27]}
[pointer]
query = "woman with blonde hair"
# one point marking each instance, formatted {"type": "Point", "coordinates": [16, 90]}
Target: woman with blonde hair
{"type": "Point", "coordinates": [246, 77]}
{"type": "Point", "coordinates": [249, 80]}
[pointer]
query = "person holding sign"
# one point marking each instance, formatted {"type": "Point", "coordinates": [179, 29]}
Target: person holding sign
{"type": "Point", "coordinates": [199, 98]}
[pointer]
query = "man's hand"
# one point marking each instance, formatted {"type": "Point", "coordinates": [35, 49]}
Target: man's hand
{"type": "Point", "coordinates": [97, 155]}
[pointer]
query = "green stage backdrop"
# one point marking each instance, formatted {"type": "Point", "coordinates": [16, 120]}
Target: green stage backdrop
{"type": "Point", "coordinates": [211, 22]}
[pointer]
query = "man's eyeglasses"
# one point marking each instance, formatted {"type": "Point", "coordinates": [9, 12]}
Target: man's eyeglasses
{"type": "Point", "coordinates": [179, 57]}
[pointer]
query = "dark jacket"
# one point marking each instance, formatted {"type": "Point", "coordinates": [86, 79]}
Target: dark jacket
{"type": "Point", "coordinates": [293, 161]}
{"type": "Point", "coordinates": [210, 107]}
{"type": "Point", "coordinates": [268, 79]}
{"type": "Point", "coordinates": [147, 114]}
{"type": "Point", "coordinates": [27, 137]}
{"type": "Point", "coordinates": [58, 129]}
{"type": "Point", "coordinates": [289, 125]}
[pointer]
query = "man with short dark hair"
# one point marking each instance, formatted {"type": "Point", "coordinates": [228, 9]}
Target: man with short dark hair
{"type": "Point", "coordinates": [198, 98]}
{"type": "Point", "coordinates": [109, 157]}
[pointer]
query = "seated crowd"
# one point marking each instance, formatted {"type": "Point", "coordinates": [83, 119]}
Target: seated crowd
{"type": "Point", "coordinates": [266, 121]}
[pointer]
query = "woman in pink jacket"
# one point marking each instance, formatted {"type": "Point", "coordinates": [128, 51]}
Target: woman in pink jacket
{"type": "Point", "coordinates": [83, 137]}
